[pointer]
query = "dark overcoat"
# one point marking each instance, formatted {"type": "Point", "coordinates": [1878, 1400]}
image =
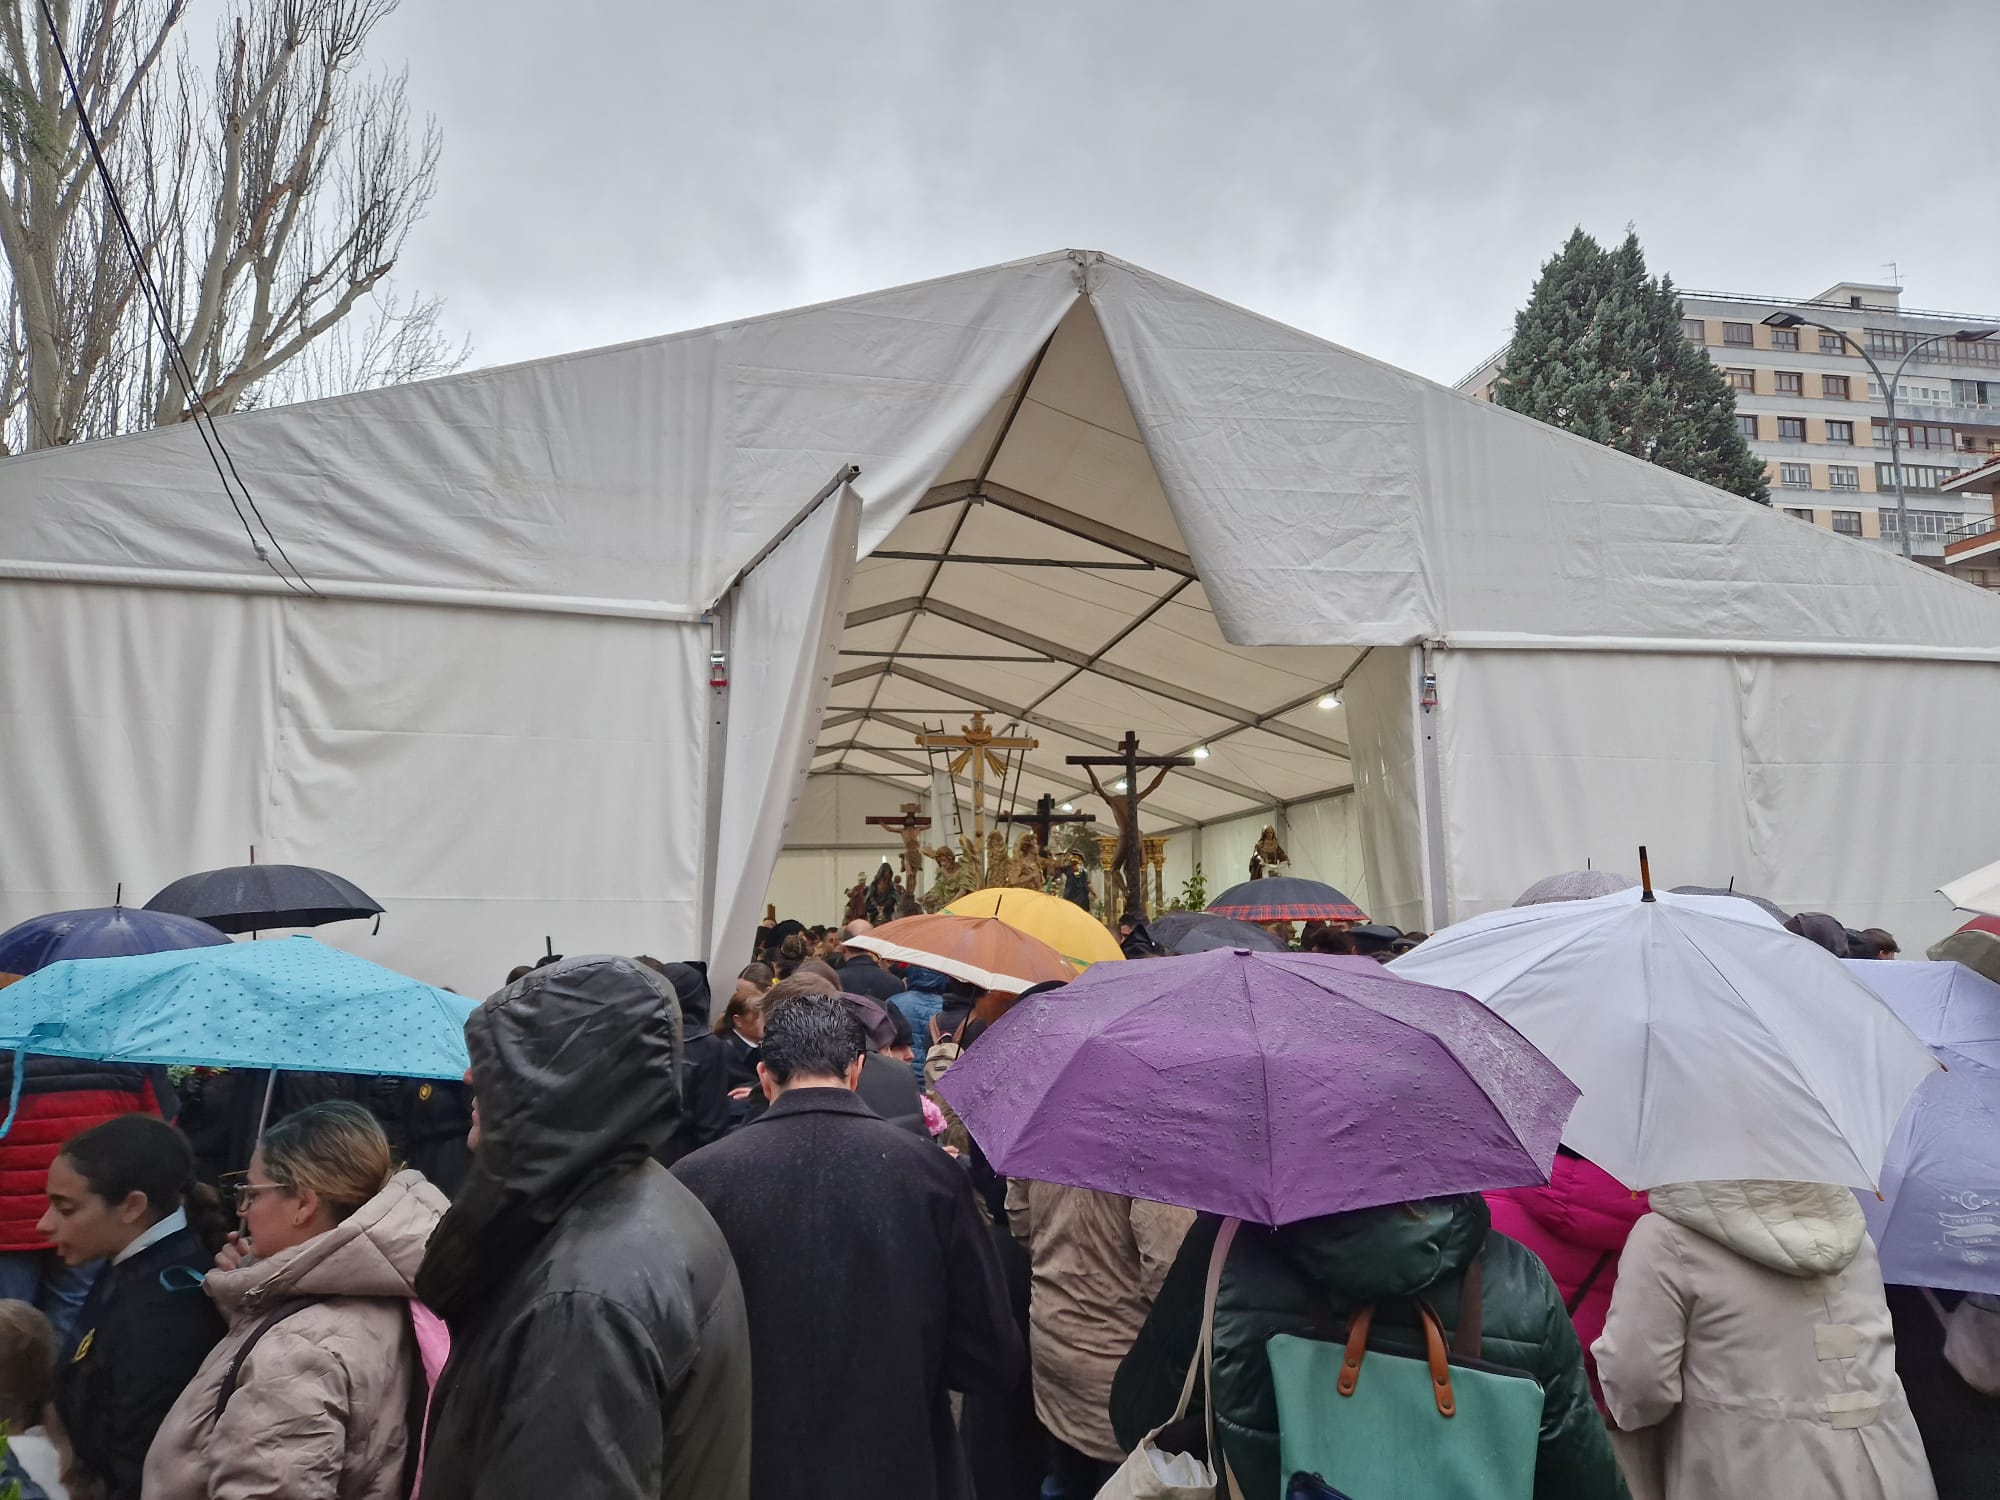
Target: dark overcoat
{"type": "Point", "coordinates": [872, 1289]}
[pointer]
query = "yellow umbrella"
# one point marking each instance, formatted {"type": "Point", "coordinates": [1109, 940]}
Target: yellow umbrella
{"type": "Point", "coordinates": [1063, 925]}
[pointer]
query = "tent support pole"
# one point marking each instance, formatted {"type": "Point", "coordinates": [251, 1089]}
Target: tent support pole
{"type": "Point", "coordinates": [1430, 806]}
{"type": "Point", "coordinates": [721, 620]}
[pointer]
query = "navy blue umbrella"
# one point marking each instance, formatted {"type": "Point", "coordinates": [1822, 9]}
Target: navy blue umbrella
{"type": "Point", "coordinates": [98, 932]}
{"type": "Point", "coordinates": [251, 898]}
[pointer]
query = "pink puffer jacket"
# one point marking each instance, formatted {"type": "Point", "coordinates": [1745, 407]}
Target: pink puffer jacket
{"type": "Point", "coordinates": [1579, 1221]}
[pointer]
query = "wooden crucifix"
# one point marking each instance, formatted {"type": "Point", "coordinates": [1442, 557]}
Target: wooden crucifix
{"type": "Point", "coordinates": [976, 744]}
{"type": "Point", "coordinates": [1044, 819]}
{"type": "Point", "coordinates": [907, 827]}
{"type": "Point", "coordinates": [1124, 806]}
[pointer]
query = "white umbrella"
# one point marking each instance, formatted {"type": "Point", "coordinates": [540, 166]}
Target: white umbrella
{"type": "Point", "coordinates": [1977, 892]}
{"type": "Point", "coordinates": [1709, 1042]}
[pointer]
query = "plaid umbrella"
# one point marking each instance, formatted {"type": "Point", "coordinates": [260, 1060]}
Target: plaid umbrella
{"type": "Point", "coordinates": [1286, 898]}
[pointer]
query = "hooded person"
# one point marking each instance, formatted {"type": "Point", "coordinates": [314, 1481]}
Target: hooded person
{"type": "Point", "coordinates": [599, 1345]}
{"type": "Point", "coordinates": [1749, 1325]}
{"type": "Point", "coordinates": [705, 1085]}
{"type": "Point", "coordinates": [1289, 1279]}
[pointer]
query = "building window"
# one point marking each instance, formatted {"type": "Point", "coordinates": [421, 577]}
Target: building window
{"type": "Point", "coordinates": [1915, 434]}
{"type": "Point", "coordinates": [1841, 433]}
{"type": "Point", "coordinates": [1915, 476]}
{"type": "Point", "coordinates": [1781, 338]}
{"type": "Point", "coordinates": [1834, 386]}
{"type": "Point", "coordinates": [1737, 334]}
{"type": "Point", "coordinates": [1742, 380]}
{"type": "Point", "coordinates": [1795, 477]}
{"type": "Point", "coordinates": [1843, 477]}
{"type": "Point", "coordinates": [1832, 343]}
{"type": "Point", "coordinates": [1933, 523]}
{"type": "Point", "coordinates": [1791, 383]}
{"type": "Point", "coordinates": [1791, 429]}
{"type": "Point", "coordinates": [1799, 515]}
{"type": "Point", "coordinates": [1747, 425]}
{"type": "Point", "coordinates": [1694, 329]}
{"type": "Point", "coordinates": [1847, 522]}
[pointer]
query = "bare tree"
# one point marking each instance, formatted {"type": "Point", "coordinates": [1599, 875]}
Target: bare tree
{"type": "Point", "coordinates": [269, 196]}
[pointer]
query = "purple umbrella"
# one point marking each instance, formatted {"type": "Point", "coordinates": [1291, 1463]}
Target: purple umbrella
{"type": "Point", "coordinates": [1264, 1086]}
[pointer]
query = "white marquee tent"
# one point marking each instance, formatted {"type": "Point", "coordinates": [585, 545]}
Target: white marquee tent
{"type": "Point", "coordinates": [1088, 499]}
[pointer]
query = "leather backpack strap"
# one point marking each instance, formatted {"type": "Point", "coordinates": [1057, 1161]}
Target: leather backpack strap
{"type": "Point", "coordinates": [1440, 1363]}
{"type": "Point", "coordinates": [1465, 1341]}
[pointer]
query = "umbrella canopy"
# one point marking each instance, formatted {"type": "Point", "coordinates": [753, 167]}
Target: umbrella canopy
{"type": "Point", "coordinates": [285, 1003]}
{"type": "Point", "coordinates": [1709, 1042]}
{"type": "Point", "coordinates": [1574, 885]}
{"type": "Point", "coordinates": [1063, 925]}
{"type": "Point", "coordinates": [1203, 931]}
{"type": "Point", "coordinates": [1979, 891]}
{"type": "Point", "coordinates": [1286, 898]}
{"type": "Point", "coordinates": [1975, 945]}
{"type": "Point", "coordinates": [98, 932]}
{"type": "Point", "coordinates": [1266, 1086]}
{"type": "Point", "coordinates": [1937, 1222]}
{"type": "Point", "coordinates": [250, 898]}
{"type": "Point", "coordinates": [980, 950]}
{"type": "Point", "coordinates": [1770, 909]}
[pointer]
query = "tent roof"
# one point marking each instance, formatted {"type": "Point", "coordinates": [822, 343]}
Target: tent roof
{"type": "Point", "coordinates": [1050, 452]}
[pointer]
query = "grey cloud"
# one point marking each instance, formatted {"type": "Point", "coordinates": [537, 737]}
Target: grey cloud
{"type": "Point", "coordinates": [1387, 175]}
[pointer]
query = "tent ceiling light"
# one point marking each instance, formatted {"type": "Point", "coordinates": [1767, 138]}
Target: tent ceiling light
{"type": "Point", "coordinates": [1069, 807]}
{"type": "Point", "coordinates": [1329, 700]}
{"type": "Point", "coordinates": [1200, 752]}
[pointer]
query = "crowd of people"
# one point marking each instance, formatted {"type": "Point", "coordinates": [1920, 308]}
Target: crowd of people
{"type": "Point", "coordinates": [644, 1250]}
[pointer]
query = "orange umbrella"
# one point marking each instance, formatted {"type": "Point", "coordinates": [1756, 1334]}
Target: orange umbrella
{"type": "Point", "coordinates": [980, 950]}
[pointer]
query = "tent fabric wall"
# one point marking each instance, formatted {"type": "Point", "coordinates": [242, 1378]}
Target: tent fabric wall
{"type": "Point", "coordinates": [149, 732]}
{"type": "Point", "coordinates": [1823, 784]}
{"type": "Point", "coordinates": [787, 614]}
{"type": "Point", "coordinates": [1381, 707]}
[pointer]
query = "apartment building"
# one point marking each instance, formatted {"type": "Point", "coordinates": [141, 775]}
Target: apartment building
{"type": "Point", "coordinates": [1810, 408]}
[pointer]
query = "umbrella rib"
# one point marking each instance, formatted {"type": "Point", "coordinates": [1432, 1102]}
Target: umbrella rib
{"type": "Point", "coordinates": [1778, 1040]}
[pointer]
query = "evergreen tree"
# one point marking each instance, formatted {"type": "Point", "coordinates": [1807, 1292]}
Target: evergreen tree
{"type": "Point", "coordinates": [1599, 350]}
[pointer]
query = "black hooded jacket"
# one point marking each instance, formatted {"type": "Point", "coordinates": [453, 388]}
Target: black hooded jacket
{"type": "Point", "coordinates": [599, 1345]}
{"type": "Point", "coordinates": [705, 1085]}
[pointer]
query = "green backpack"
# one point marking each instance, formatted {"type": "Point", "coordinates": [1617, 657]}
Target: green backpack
{"type": "Point", "coordinates": [1440, 1424]}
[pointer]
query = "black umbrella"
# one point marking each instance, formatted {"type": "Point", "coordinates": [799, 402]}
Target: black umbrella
{"type": "Point", "coordinates": [248, 898]}
{"type": "Point", "coordinates": [1199, 931]}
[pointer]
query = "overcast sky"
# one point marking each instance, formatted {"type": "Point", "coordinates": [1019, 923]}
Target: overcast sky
{"type": "Point", "coordinates": [1388, 174]}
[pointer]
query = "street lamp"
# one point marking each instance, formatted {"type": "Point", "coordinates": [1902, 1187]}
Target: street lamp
{"type": "Point", "coordinates": [1890, 385]}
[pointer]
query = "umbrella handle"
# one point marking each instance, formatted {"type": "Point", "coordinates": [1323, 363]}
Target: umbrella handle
{"type": "Point", "coordinates": [14, 1089]}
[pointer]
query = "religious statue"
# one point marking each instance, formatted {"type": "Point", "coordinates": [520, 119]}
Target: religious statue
{"type": "Point", "coordinates": [955, 876]}
{"type": "Point", "coordinates": [1268, 859]}
{"type": "Point", "coordinates": [879, 903]}
{"type": "Point", "coordinates": [1076, 884]}
{"type": "Point", "coordinates": [1027, 870]}
{"type": "Point", "coordinates": [996, 863]}
{"type": "Point", "coordinates": [857, 899]}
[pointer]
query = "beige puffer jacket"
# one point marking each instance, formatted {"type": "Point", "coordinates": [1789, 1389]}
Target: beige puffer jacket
{"type": "Point", "coordinates": [1098, 1263]}
{"type": "Point", "coordinates": [1748, 1326]}
{"type": "Point", "coordinates": [319, 1408]}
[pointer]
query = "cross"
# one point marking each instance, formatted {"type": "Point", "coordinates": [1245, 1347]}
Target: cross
{"type": "Point", "coordinates": [908, 826]}
{"type": "Point", "coordinates": [976, 744]}
{"type": "Point", "coordinates": [1125, 808]}
{"type": "Point", "coordinates": [1044, 819]}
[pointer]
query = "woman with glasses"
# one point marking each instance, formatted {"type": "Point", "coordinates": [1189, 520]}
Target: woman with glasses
{"type": "Point", "coordinates": [124, 1193]}
{"type": "Point", "coordinates": [318, 1389]}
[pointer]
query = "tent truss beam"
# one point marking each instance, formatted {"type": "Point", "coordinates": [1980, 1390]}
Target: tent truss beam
{"type": "Point", "coordinates": [1092, 662]}
{"type": "Point", "coordinates": [1056, 518]}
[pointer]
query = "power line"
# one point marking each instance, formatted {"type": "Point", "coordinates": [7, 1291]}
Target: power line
{"type": "Point", "coordinates": [202, 419]}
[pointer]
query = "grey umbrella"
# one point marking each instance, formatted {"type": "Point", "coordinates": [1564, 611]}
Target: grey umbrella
{"type": "Point", "coordinates": [1574, 885]}
{"type": "Point", "coordinates": [1770, 908]}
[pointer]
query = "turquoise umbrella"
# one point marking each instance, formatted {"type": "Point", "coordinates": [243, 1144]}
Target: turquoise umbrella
{"type": "Point", "coordinates": [282, 1003]}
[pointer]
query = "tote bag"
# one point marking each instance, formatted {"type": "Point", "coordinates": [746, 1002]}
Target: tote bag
{"type": "Point", "coordinates": [1380, 1424]}
{"type": "Point", "coordinates": [1152, 1472]}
